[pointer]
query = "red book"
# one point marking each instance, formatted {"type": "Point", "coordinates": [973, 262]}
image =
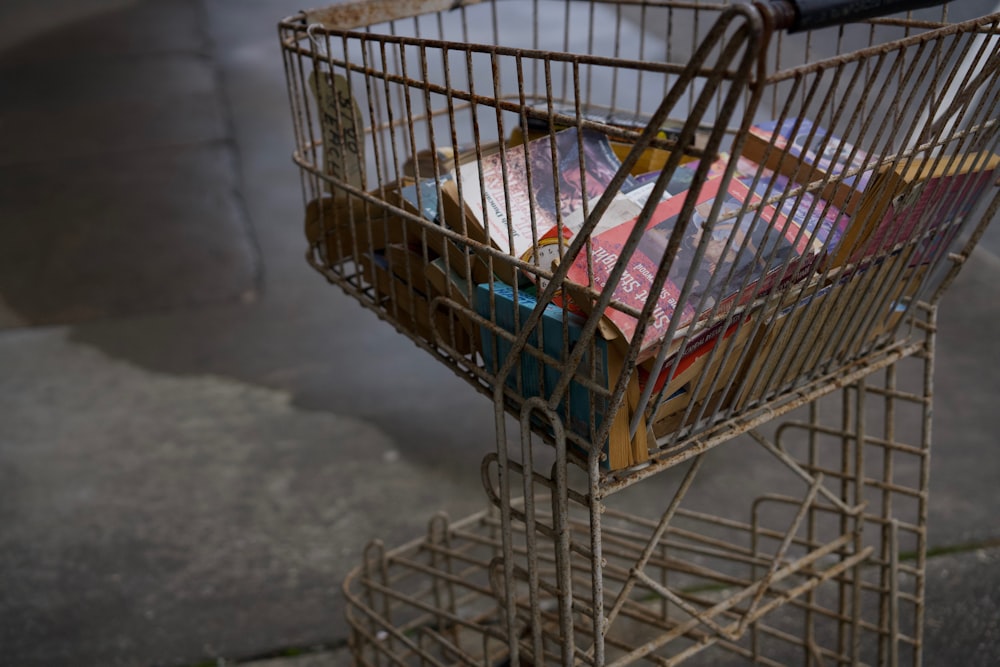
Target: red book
{"type": "Point", "coordinates": [921, 201]}
{"type": "Point", "coordinates": [746, 255]}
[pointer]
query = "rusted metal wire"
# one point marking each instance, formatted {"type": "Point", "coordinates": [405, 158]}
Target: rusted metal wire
{"type": "Point", "coordinates": [772, 302]}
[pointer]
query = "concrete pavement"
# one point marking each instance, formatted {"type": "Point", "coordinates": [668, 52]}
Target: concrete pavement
{"type": "Point", "coordinates": [197, 434]}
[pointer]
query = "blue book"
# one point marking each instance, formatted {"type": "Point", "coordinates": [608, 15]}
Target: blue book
{"type": "Point", "coordinates": [560, 332]}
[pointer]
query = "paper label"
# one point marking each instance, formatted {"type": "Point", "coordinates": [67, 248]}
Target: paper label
{"type": "Point", "coordinates": [340, 121]}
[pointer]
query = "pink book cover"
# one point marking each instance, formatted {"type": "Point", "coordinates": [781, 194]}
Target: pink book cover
{"type": "Point", "coordinates": [932, 209]}
{"type": "Point", "coordinates": [814, 145]}
{"type": "Point", "coordinates": [516, 210]}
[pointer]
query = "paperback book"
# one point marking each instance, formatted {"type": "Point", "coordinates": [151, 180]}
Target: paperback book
{"type": "Point", "coordinates": [513, 198]}
{"type": "Point", "coordinates": [557, 334]}
{"type": "Point", "coordinates": [747, 253]}
{"type": "Point", "coordinates": [919, 203]}
{"type": "Point", "coordinates": [807, 153]}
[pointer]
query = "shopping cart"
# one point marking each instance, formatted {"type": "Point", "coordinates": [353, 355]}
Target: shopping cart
{"type": "Point", "coordinates": [643, 229]}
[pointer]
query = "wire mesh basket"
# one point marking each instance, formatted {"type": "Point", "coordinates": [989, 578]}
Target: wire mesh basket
{"type": "Point", "coordinates": [644, 228]}
{"type": "Point", "coordinates": [789, 222]}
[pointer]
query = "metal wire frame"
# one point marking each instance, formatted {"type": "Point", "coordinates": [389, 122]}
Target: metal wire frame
{"type": "Point", "coordinates": [828, 569]}
{"type": "Point", "coordinates": [871, 96]}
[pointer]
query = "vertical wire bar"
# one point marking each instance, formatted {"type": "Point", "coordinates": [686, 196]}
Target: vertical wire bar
{"type": "Point", "coordinates": [668, 41]}
{"type": "Point", "coordinates": [441, 561]}
{"type": "Point", "coordinates": [845, 471]}
{"type": "Point", "coordinates": [809, 651]}
{"type": "Point", "coordinates": [530, 529]}
{"type": "Point", "coordinates": [466, 35]}
{"type": "Point", "coordinates": [467, 259]}
{"type": "Point", "coordinates": [528, 171]}
{"type": "Point", "coordinates": [369, 49]}
{"type": "Point", "coordinates": [504, 472]}
{"type": "Point", "coordinates": [504, 468]}
{"type": "Point", "coordinates": [664, 580]}
{"type": "Point", "coordinates": [407, 108]}
{"type": "Point", "coordinates": [382, 573]}
{"type": "Point", "coordinates": [296, 88]}
{"type": "Point", "coordinates": [402, 91]}
{"type": "Point", "coordinates": [314, 124]}
{"type": "Point", "coordinates": [355, 242]}
{"type": "Point", "coordinates": [696, 31]}
{"type": "Point", "coordinates": [411, 271]}
{"type": "Point", "coordinates": [642, 56]}
{"type": "Point", "coordinates": [536, 44]}
{"type": "Point", "coordinates": [887, 579]}
{"type": "Point", "coordinates": [859, 523]}
{"type": "Point", "coordinates": [755, 635]}
{"type": "Point", "coordinates": [590, 50]}
{"type": "Point", "coordinates": [506, 532]}
{"type": "Point", "coordinates": [562, 544]}
{"type": "Point", "coordinates": [565, 47]}
{"type": "Point", "coordinates": [893, 654]}
{"type": "Point", "coordinates": [925, 445]}
{"type": "Point", "coordinates": [597, 559]}
{"type": "Point", "coordinates": [613, 101]}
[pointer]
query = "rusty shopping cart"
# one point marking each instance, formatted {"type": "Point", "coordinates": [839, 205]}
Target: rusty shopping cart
{"type": "Point", "coordinates": [645, 228]}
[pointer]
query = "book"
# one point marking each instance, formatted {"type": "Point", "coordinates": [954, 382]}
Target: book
{"type": "Point", "coordinates": [411, 308]}
{"type": "Point", "coordinates": [918, 201]}
{"type": "Point", "coordinates": [565, 115]}
{"type": "Point", "coordinates": [444, 159]}
{"type": "Point", "coordinates": [421, 196]}
{"type": "Point", "coordinates": [819, 220]}
{"type": "Point", "coordinates": [408, 262]}
{"type": "Point", "coordinates": [693, 356]}
{"type": "Point", "coordinates": [347, 226]}
{"type": "Point", "coordinates": [747, 253]}
{"type": "Point", "coordinates": [806, 153]}
{"type": "Point", "coordinates": [790, 341]}
{"type": "Point", "coordinates": [558, 331]}
{"type": "Point", "coordinates": [908, 288]}
{"type": "Point", "coordinates": [510, 199]}
{"type": "Point", "coordinates": [624, 206]}
{"type": "Point", "coordinates": [342, 228]}
{"type": "Point", "coordinates": [679, 415]}
{"type": "Point", "coordinates": [392, 294]}
{"type": "Point", "coordinates": [444, 281]}
{"type": "Point", "coordinates": [710, 364]}
{"type": "Point", "coordinates": [421, 199]}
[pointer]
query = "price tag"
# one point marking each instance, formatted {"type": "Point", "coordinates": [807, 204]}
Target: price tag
{"type": "Point", "coordinates": [342, 129]}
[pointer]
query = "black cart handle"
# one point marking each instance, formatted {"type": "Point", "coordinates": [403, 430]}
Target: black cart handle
{"type": "Point", "coordinates": [797, 15]}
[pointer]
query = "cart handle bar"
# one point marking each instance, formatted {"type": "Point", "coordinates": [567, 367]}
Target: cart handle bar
{"type": "Point", "coordinates": [791, 15]}
{"type": "Point", "coordinates": [799, 15]}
